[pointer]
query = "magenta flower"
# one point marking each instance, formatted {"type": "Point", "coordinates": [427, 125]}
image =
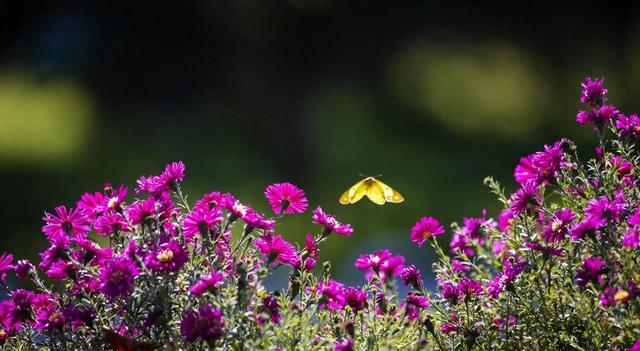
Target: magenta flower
{"type": "Point", "coordinates": [92, 203]}
{"type": "Point", "coordinates": [168, 257]}
{"type": "Point", "coordinates": [90, 253]}
{"type": "Point", "coordinates": [558, 226]}
{"type": "Point", "coordinates": [593, 269]}
{"type": "Point", "coordinates": [330, 223]}
{"type": "Point", "coordinates": [206, 324]}
{"type": "Point", "coordinates": [598, 116]}
{"type": "Point", "coordinates": [389, 269]}
{"type": "Point", "coordinates": [48, 316]}
{"type": "Point", "coordinates": [206, 283]}
{"type": "Point", "coordinates": [23, 269]}
{"type": "Point", "coordinates": [344, 345]}
{"type": "Point", "coordinates": [541, 167]}
{"type": "Point", "coordinates": [469, 288]}
{"type": "Point", "coordinates": [602, 210]}
{"type": "Point", "coordinates": [425, 228]}
{"type": "Point", "coordinates": [628, 126]}
{"type": "Point", "coordinates": [277, 249]}
{"type": "Point", "coordinates": [111, 224]}
{"type": "Point", "coordinates": [331, 295]}
{"type": "Point", "coordinates": [213, 200]}
{"type": "Point", "coordinates": [503, 280]}
{"type": "Point", "coordinates": [635, 346]}
{"type": "Point", "coordinates": [460, 244]}
{"type": "Point", "coordinates": [117, 277]}
{"type": "Point", "coordinates": [459, 266]}
{"type": "Point", "coordinates": [271, 307]}
{"type": "Point", "coordinates": [355, 298]}
{"type": "Point", "coordinates": [524, 197]}
{"type": "Point", "coordinates": [286, 198]}
{"type": "Point", "coordinates": [141, 211]}
{"type": "Point", "coordinates": [593, 92]}
{"type": "Point", "coordinates": [173, 173]}
{"type": "Point", "coordinates": [411, 276]}
{"type": "Point", "coordinates": [66, 223]}
{"type": "Point", "coordinates": [450, 293]}
{"type": "Point", "coordinates": [201, 221]}
{"type": "Point", "coordinates": [256, 221]}
{"type": "Point", "coordinates": [311, 246]}
{"type": "Point", "coordinates": [6, 264]}
{"type": "Point", "coordinates": [373, 260]}
{"type": "Point", "coordinates": [546, 250]}
{"type": "Point", "coordinates": [583, 229]}
{"type": "Point", "coordinates": [115, 197]}
{"type": "Point", "coordinates": [415, 303]}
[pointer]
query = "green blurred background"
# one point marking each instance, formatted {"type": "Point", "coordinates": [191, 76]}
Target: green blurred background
{"type": "Point", "coordinates": [434, 95]}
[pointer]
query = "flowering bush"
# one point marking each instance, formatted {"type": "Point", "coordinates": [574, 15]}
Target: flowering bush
{"type": "Point", "coordinates": [557, 269]}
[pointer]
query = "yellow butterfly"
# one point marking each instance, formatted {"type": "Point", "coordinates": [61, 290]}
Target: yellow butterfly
{"type": "Point", "coordinates": [377, 191]}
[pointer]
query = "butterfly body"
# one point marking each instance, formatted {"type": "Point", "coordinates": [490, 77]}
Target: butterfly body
{"type": "Point", "coordinates": [378, 192]}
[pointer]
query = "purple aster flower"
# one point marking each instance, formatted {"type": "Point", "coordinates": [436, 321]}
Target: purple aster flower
{"type": "Point", "coordinates": [461, 244]}
{"type": "Point", "coordinates": [330, 223]}
{"type": "Point", "coordinates": [206, 324]}
{"type": "Point", "coordinates": [546, 250]}
{"type": "Point", "coordinates": [92, 203]}
{"type": "Point", "coordinates": [168, 257]}
{"type": "Point", "coordinates": [558, 226]}
{"type": "Point", "coordinates": [90, 253]}
{"type": "Point", "coordinates": [601, 211]}
{"type": "Point", "coordinates": [6, 264]}
{"type": "Point", "coordinates": [524, 197]}
{"type": "Point", "coordinates": [206, 283]}
{"type": "Point", "coordinates": [344, 345]}
{"type": "Point", "coordinates": [201, 221]}
{"type": "Point", "coordinates": [141, 211]}
{"type": "Point", "coordinates": [459, 266]}
{"type": "Point", "coordinates": [411, 276]}
{"type": "Point", "coordinates": [583, 229]}
{"type": "Point", "coordinates": [271, 307]}
{"type": "Point", "coordinates": [631, 238]}
{"type": "Point", "coordinates": [173, 173]}
{"type": "Point", "coordinates": [389, 269]}
{"type": "Point", "coordinates": [415, 303]}
{"type": "Point", "coordinates": [213, 200]}
{"type": "Point", "coordinates": [425, 228]}
{"type": "Point", "coordinates": [117, 277]}
{"type": "Point", "coordinates": [48, 316]}
{"type": "Point", "coordinates": [593, 92]}
{"type": "Point", "coordinates": [355, 298]}
{"type": "Point", "coordinates": [277, 249]}
{"type": "Point", "coordinates": [331, 295]}
{"type": "Point", "coordinates": [66, 223]}
{"type": "Point", "coordinates": [24, 269]}
{"type": "Point", "coordinates": [541, 167]}
{"type": "Point", "coordinates": [111, 224]}
{"type": "Point", "coordinates": [499, 321]}
{"type": "Point", "coordinates": [450, 293]}
{"type": "Point", "coordinates": [286, 198]}
{"type": "Point", "coordinates": [504, 279]}
{"type": "Point", "coordinates": [592, 270]}
{"type": "Point", "coordinates": [311, 246]}
{"type": "Point", "coordinates": [373, 260]}
{"type": "Point", "coordinates": [59, 249]}
{"type": "Point", "coordinates": [256, 221]}
{"type": "Point", "coordinates": [635, 346]}
{"type": "Point", "coordinates": [628, 126]}
{"type": "Point", "coordinates": [469, 288]}
{"type": "Point", "coordinates": [598, 116]}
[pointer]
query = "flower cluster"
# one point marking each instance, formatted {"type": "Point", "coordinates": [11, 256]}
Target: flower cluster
{"type": "Point", "coordinates": [556, 269]}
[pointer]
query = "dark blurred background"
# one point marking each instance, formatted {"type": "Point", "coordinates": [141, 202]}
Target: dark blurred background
{"type": "Point", "coordinates": [435, 95]}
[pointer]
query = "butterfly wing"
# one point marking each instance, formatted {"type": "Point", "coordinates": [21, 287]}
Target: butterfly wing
{"type": "Point", "coordinates": [123, 343]}
{"type": "Point", "coordinates": [375, 192]}
{"type": "Point", "coordinates": [390, 194]}
{"type": "Point", "coordinates": [354, 194]}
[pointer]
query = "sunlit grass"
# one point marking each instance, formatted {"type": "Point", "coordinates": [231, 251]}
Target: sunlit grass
{"type": "Point", "coordinates": [42, 121]}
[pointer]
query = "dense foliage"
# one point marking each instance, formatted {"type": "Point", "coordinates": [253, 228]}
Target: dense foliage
{"type": "Point", "coordinates": [558, 269]}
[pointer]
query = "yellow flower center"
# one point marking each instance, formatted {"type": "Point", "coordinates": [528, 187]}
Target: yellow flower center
{"type": "Point", "coordinates": [556, 224]}
{"type": "Point", "coordinates": [54, 316]}
{"type": "Point", "coordinates": [427, 234]}
{"type": "Point", "coordinates": [112, 202]}
{"type": "Point", "coordinates": [165, 256]}
{"type": "Point", "coordinates": [2, 333]}
{"type": "Point", "coordinates": [621, 295]}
